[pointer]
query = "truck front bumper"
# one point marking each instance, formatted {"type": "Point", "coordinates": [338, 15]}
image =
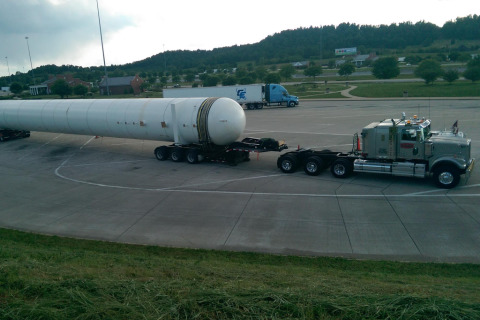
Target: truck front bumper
{"type": "Point", "coordinates": [468, 171]}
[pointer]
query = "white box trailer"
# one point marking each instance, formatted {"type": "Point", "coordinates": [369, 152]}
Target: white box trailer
{"type": "Point", "coordinates": [253, 96]}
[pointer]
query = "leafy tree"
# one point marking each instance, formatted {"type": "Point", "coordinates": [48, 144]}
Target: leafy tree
{"type": "Point", "coordinates": [473, 70]}
{"type": "Point", "coordinates": [429, 70]}
{"type": "Point", "coordinates": [313, 71]}
{"type": "Point", "coordinates": [346, 69]}
{"type": "Point", "coordinates": [16, 88]}
{"type": "Point", "coordinates": [80, 90]}
{"type": "Point", "coordinates": [272, 78]}
{"type": "Point", "coordinates": [386, 68]}
{"type": "Point", "coordinates": [61, 88]}
{"type": "Point", "coordinates": [144, 86]}
{"type": "Point", "coordinates": [163, 81]}
{"type": "Point", "coordinates": [210, 81]}
{"type": "Point", "coordinates": [450, 76]}
{"type": "Point", "coordinates": [190, 77]}
{"type": "Point", "coordinates": [453, 56]}
{"type": "Point", "coordinates": [261, 72]}
{"type": "Point", "coordinates": [287, 71]}
{"type": "Point", "coordinates": [229, 81]}
{"type": "Point", "coordinates": [241, 72]}
{"type": "Point", "coordinates": [413, 59]}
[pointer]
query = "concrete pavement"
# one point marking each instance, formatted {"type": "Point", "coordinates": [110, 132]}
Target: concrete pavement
{"type": "Point", "coordinates": [115, 190]}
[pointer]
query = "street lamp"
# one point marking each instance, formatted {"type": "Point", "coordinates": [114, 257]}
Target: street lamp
{"type": "Point", "coordinates": [8, 67]}
{"type": "Point", "coordinates": [103, 52]}
{"type": "Point", "coordinates": [31, 65]}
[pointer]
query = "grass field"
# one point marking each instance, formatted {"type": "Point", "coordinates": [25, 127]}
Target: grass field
{"type": "Point", "coordinates": [417, 89]}
{"type": "Point", "coordinates": [44, 277]}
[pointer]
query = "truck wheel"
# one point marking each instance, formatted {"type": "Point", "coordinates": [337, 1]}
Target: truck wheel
{"type": "Point", "coordinates": [446, 177]}
{"type": "Point", "coordinates": [192, 156]}
{"type": "Point", "coordinates": [313, 166]}
{"type": "Point", "coordinates": [161, 153]}
{"type": "Point", "coordinates": [177, 154]}
{"type": "Point", "coordinates": [287, 164]}
{"type": "Point", "coordinates": [291, 104]}
{"type": "Point", "coordinates": [341, 168]}
{"type": "Point", "coordinates": [250, 106]}
{"type": "Point", "coordinates": [259, 106]}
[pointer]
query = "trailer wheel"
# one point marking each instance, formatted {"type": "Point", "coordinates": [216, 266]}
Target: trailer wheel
{"type": "Point", "coordinates": [192, 156]}
{"type": "Point", "coordinates": [161, 153]}
{"type": "Point", "coordinates": [177, 154]}
{"type": "Point", "coordinates": [250, 106]}
{"type": "Point", "coordinates": [313, 166]}
{"type": "Point", "coordinates": [291, 104]}
{"type": "Point", "coordinates": [446, 176]}
{"type": "Point", "coordinates": [259, 106]}
{"type": "Point", "coordinates": [287, 164]}
{"type": "Point", "coordinates": [341, 168]}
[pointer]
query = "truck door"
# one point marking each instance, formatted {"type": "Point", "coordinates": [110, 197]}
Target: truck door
{"type": "Point", "coordinates": [411, 144]}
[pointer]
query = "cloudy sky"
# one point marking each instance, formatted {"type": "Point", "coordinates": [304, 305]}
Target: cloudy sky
{"type": "Point", "coordinates": [67, 32]}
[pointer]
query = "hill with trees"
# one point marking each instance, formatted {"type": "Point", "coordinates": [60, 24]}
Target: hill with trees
{"type": "Point", "coordinates": [313, 43]}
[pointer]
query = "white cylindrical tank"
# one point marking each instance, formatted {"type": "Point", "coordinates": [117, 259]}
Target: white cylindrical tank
{"type": "Point", "coordinates": [220, 121]}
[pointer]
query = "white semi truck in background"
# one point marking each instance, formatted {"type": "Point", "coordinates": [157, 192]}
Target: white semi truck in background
{"type": "Point", "coordinates": [253, 96]}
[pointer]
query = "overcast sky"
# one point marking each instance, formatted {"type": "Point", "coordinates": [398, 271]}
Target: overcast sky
{"type": "Point", "coordinates": [67, 31]}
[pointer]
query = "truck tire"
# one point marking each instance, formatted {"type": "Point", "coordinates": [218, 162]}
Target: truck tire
{"type": "Point", "coordinates": [259, 106]}
{"type": "Point", "coordinates": [287, 163]}
{"type": "Point", "coordinates": [341, 168]}
{"type": "Point", "coordinates": [177, 154]}
{"type": "Point", "coordinates": [291, 104]}
{"type": "Point", "coordinates": [161, 153]}
{"type": "Point", "coordinates": [250, 106]}
{"type": "Point", "coordinates": [313, 165]}
{"type": "Point", "coordinates": [192, 156]}
{"type": "Point", "coordinates": [446, 176]}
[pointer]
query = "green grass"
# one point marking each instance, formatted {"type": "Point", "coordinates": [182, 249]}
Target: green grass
{"type": "Point", "coordinates": [316, 91]}
{"type": "Point", "coordinates": [417, 89]}
{"type": "Point", "coordinates": [44, 277]}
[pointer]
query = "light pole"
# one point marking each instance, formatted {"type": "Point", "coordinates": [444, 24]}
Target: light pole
{"type": "Point", "coordinates": [103, 52]}
{"type": "Point", "coordinates": [31, 65]}
{"type": "Point", "coordinates": [8, 67]}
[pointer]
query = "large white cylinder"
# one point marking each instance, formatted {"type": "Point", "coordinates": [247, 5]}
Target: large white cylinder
{"type": "Point", "coordinates": [188, 120]}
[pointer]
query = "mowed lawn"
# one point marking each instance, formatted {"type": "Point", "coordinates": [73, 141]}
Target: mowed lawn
{"type": "Point", "coordinates": [49, 277]}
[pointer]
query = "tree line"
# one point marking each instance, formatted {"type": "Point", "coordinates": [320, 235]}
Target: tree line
{"type": "Point", "coordinates": [313, 43]}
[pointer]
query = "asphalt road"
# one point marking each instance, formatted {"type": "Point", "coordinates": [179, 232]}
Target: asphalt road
{"type": "Point", "coordinates": [115, 190]}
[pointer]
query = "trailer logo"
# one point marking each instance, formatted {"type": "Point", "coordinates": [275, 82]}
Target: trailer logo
{"type": "Point", "coordinates": [241, 94]}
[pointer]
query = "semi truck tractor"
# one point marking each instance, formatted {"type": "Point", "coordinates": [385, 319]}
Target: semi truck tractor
{"type": "Point", "coordinates": [200, 128]}
{"type": "Point", "coordinates": [398, 147]}
{"type": "Point", "coordinates": [253, 96]}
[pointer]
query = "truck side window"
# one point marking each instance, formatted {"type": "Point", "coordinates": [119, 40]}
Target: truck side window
{"type": "Point", "coordinates": [409, 134]}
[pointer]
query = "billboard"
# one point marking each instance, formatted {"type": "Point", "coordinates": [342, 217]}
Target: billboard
{"type": "Point", "coordinates": [346, 51]}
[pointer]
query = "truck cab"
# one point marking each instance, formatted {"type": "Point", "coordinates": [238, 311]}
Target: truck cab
{"type": "Point", "coordinates": [275, 93]}
{"type": "Point", "coordinates": [411, 148]}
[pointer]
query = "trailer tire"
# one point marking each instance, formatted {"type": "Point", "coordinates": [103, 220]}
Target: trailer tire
{"type": "Point", "coordinates": [291, 104]}
{"type": "Point", "coordinates": [313, 165]}
{"type": "Point", "coordinates": [250, 106]}
{"type": "Point", "coordinates": [288, 163]}
{"type": "Point", "coordinates": [259, 106]}
{"type": "Point", "coordinates": [161, 153]}
{"type": "Point", "coordinates": [446, 176]}
{"type": "Point", "coordinates": [177, 154]}
{"type": "Point", "coordinates": [192, 156]}
{"type": "Point", "coordinates": [341, 168]}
